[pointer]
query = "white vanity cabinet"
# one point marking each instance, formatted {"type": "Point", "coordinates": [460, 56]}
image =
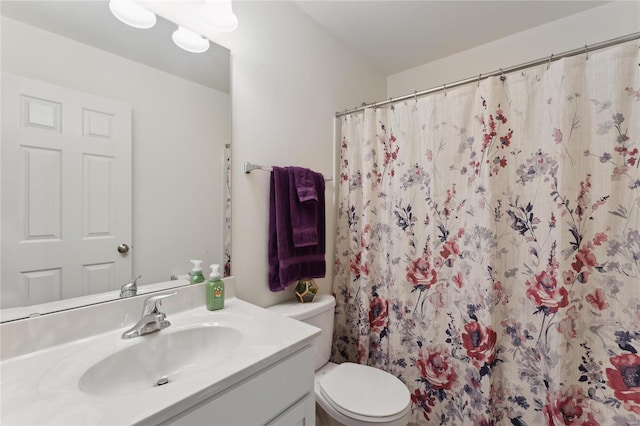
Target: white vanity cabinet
{"type": "Point", "coordinates": [280, 394]}
{"type": "Point", "coordinates": [249, 366]}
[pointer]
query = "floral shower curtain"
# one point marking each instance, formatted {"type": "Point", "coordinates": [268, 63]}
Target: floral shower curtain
{"type": "Point", "coordinates": [488, 246]}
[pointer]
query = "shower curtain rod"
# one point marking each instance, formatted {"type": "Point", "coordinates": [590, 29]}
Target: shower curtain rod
{"type": "Point", "coordinates": [547, 60]}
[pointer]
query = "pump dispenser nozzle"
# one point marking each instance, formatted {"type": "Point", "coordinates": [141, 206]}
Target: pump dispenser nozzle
{"type": "Point", "coordinates": [196, 272]}
{"type": "Point", "coordinates": [215, 272]}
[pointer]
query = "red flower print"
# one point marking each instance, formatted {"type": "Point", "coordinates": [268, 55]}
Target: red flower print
{"type": "Point", "coordinates": [625, 380]}
{"type": "Point", "coordinates": [378, 314]}
{"type": "Point", "coordinates": [421, 274]}
{"type": "Point", "coordinates": [584, 257]}
{"type": "Point", "coordinates": [577, 265]}
{"type": "Point", "coordinates": [499, 291]}
{"type": "Point", "coordinates": [457, 278]}
{"type": "Point", "coordinates": [545, 293]}
{"type": "Point", "coordinates": [355, 264]}
{"type": "Point", "coordinates": [361, 354]}
{"type": "Point", "coordinates": [600, 238]}
{"type": "Point", "coordinates": [448, 248]}
{"type": "Point", "coordinates": [479, 341]}
{"type": "Point", "coordinates": [597, 299]}
{"type": "Point", "coordinates": [619, 172]}
{"type": "Point", "coordinates": [557, 135]}
{"type": "Point", "coordinates": [568, 407]}
{"type": "Point", "coordinates": [481, 421]}
{"type": "Point", "coordinates": [568, 277]}
{"type": "Point", "coordinates": [437, 298]}
{"type": "Point", "coordinates": [365, 269]}
{"type": "Point", "coordinates": [436, 367]}
{"type": "Point", "coordinates": [424, 401]}
{"type": "Point", "coordinates": [571, 325]}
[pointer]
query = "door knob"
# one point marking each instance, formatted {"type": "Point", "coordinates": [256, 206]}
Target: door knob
{"type": "Point", "coordinates": [123, 248]}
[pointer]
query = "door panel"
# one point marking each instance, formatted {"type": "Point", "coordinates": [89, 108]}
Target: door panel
{"type": "Point", "coordinates": [66, 193]}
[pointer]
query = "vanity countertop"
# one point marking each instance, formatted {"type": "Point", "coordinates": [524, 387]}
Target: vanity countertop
{"type": "Point", "coordinates": [42, 387]}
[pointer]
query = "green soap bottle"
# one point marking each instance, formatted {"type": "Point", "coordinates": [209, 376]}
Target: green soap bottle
{"type": "Point", "coordinates": [215, 289]}
{"type": "Point", "coordinates": [196, 273]}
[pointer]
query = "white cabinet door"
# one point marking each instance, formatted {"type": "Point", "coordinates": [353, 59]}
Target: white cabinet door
{"type": "Point", "coordinates": [279, 394]}
{"type": "Point", "coordinates": [66, 192]}
{"type": "Point", "coordinates": [301, 413]}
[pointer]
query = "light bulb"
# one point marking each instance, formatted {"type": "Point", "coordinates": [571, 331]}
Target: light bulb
{"type": "Point", "coordinates": [219, 15]}
{"type": "Point", "coordinates": [132, 14]}
{"type": "Point", "coordinates": [190, 41]}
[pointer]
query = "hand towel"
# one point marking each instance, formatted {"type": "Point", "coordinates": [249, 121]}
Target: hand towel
{"type": "Point", "coordinates": [303, 199]}
{"type": "Point", "coordinates": [305, 183]}
{"type": "Point", "coordinates": [288, 263]}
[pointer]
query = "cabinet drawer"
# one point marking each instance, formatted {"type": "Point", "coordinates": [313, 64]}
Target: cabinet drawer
{"type": "Point", "coordinates": [259, 398]}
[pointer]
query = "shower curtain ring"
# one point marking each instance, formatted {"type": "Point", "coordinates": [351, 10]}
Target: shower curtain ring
{"type": "Point", "coordinates": [549, 63]}
{"type": "Point", "coordinates": [502, 76]}
{"type": "Point", "coordinates": [391, 104]}
{"type": "Point", "coordinates": [444, 86]}
{"type": "Point", "coordinates": [586, 52]}
{"type": "Point", "coordinates": [479, 77]}
{"type": "Point", "coordinates": [415, 95]}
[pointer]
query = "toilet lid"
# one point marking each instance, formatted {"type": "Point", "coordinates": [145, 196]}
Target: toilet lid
{"type": "Point", "coordinates": [364, 391]}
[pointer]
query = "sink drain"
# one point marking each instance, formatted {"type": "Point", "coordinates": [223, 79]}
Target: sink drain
{"type": "Point", "coordinates": [162, 381]}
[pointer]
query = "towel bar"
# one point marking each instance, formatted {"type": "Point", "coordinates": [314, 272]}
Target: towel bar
{"type": "Point", "coordinates": [249, 167]}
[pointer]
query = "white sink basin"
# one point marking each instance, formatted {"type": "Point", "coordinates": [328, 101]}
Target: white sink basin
{"type": "Point", "coordinates": [160, 358]}
{"type": "Point", "coordinates": [103, 380]}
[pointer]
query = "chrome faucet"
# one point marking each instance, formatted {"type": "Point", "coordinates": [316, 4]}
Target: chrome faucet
{"type": "Point", "coordinates": [152, 319]}
{"type": "Point", "coordinates": [130, 289]}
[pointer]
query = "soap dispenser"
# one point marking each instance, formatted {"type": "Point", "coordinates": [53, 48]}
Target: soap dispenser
{"type": "Point", "coordinates": [196, 273]}
{"type": "Point", "coordinates": [215, 289]}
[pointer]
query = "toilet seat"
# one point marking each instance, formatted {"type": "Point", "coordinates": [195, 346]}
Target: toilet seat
{"type": "Point", "coordinates": [365, 393]}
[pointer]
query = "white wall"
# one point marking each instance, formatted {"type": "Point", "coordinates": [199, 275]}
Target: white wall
{"type": "Point", "coordinates": [591, 26]}
{"type": "Point", "coordinates": [289, 77]}
{"type": "Point", "coordinates": [179, 131]}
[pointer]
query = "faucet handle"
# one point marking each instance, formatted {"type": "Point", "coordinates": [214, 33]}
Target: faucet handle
{"type": "Point", "coordinates": [130, 289]}
{"type": "Point", "coordinates": [151, 304]}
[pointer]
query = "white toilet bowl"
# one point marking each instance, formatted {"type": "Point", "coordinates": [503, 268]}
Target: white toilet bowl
{"type": "Point", "coordinates": [357, 395]}
{"type": "Point", "coordinates": [348, 394]}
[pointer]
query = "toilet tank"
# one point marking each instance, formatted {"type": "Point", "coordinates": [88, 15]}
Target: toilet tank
{"type": "Point", "coordinates": [318, 313]}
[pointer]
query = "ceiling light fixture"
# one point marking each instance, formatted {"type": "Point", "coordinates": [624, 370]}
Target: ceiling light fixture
{"type": "Point", "coordinates": [219, 15]}
{"type": "Point", "coordinates": [133, 14]}
{"type": "Point", "coordinates": [190, 41]}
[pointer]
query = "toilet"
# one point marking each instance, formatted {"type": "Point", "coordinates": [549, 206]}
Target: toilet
{"type": "Point", "coordinates": [348, 394]}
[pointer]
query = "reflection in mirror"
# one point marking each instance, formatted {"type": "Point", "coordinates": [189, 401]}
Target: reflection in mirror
{"type": "Point", "coordinates": [115, 156]}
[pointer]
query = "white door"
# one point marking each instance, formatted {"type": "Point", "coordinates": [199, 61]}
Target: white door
{"type": "Point", "coordinates": [66, 193]}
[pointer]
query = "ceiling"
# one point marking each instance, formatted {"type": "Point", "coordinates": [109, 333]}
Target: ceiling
{"type": "Point", "coordinates": [391, 35]}
{"type": "Point", "coordinates": [395, 35]}
{"type": "Point", "coordinates": [91, 22]}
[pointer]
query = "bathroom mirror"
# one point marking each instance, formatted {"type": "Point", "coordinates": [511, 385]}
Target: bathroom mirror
{"type": "Point", "coordinates": [179, 186]}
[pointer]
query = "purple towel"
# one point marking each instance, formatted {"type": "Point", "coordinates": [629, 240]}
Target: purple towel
{"type": "Point", "coordinates": [305, 183]}
{"type": "Point", "coordinates": [303, 200]}
{"type": "Point", "coordinates": [288, 263]}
